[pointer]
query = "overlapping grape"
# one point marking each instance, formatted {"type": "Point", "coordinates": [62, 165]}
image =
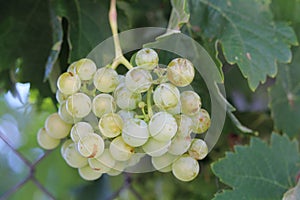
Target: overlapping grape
{"type": "Point", "coordinates": [108, 122]}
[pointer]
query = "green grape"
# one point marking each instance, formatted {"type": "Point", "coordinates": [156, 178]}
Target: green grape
{"type": "Point", "coordinates": [184, 126]}
{"type": "Point", "coordinates": [119, 150]}
{"type": "Point", "coordinates": [80, 130]}
{"type": "Point", "coordinates": [79, 105]}
{"type": "Point", "coordinates": [126, 99]}
{"type": "Point", "coordinates": [102, 104]}
{"type": "Point", "coordinates": [68, 83]}
{"type": "Point", "coordinates": [89, 174]}
{"type": "Point", "coordinates": [126, 114]}
{"type": "Point", "coordinates": [60, 97]}
{"type": "Point", "coordinates": [64, 114]}
{"type": "Point", "coordinates": [164, 163]}
{"type": "Point", "coordinates": [45, 141]}
{"type": "Point", "coordinates": [73, 157]}
{"type": "Point", "coordinates": [91, 145]}
{"type": "Point", "coordinates": [156, 148]}
{"type": "Point", "coordinates": [185, 168]}
{"type": "Point", "coordinates": [64, 146]}
{"type": "Point", "coordinates": [180, 72]}
{"type": "Point", "coordinates": [56, 127]}
{"type": "Point", "coordinates": [190, 103]}
{"type": "Point", "coordinates": [118, 168]}
{"type": "Point", "coordinates": [111, 125]}
{"type": "Point", "coordinates": [102, 163]}
{"type": "Point", "coordinates": [72, 67]}
{"type": "Point", "coordinates": [201, 121]}
{"type": "Point", "coordinates": [146, 58]}
{"type": "Point", "coordinates": [162, 126]}
{"type": "Point", "coordinates": [134, 159]}
{"type": "Point", "coordinates": [198, 149]}
{"type": "Point", "coordinates": [138, 80]}
{"type": "Point", "coordinates": [135, 132]}
{"type": "Point", "coordinates": [174, 110]}
{"type": "Point", "coordinates": [180, 145]}
{"type": "Point", "coordinates": [166, 96]}
{"type": "Point", "coordinates": [106, 79]}
{"type": "Point", "coordinates": [85, 68]}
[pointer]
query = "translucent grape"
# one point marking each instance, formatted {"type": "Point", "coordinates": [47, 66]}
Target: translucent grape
{"type": "Point", "coordinates": [89, 174]}
{"type": "Point", "coordinates": [45, 141]}
{"type": "Point", "coordinates": [102, 163]}
{"type": "Point", "coordinates": [126, 114]}
{"type": "Point", "coordinates": [68, 83]}
{"type": "Point", "coordinates": [118, 168]}
{"type": "Point", "coordinates": [91, 145]}
{"type": "Point", "coordinates": [201, 121]}
{"type": "Point", "coordinates": [180, 145]}
{"type": "Point", "coordinates": [85, 69]}
{"type": "Point", "coordinates": [102, 104]}
{"type": "Point", "coordinates": [126, 99]}
{"type": "Point", "coordinates": [156, 148]}
{"type": "Point", "coordinates": [64, 146]}
{"type": "Point", "coordinates": [138, 80]}
{"type": "Point", "coordinates": [65, 115]}
{"type": "Point", "coordinates": [162, 126]}
{"type": "Point", "coordinates": [106, 79]}
{"type": "Point", "coordinates": [79, 105]}
{"type": "Point", "coordinates": [198, 149]}
{"type": "Point", "coordinates": [184, 125]}
{"type": "Point", "coordinates": [80, 130]}
{"type": "Point", "coordinates": [120, 150]}
{"type": "Point", "coordinates": [135, 132]}
{"type": "Point", "coordinates": [174, 110]}
{"type": "Point", "coordinates": [72, 67]}
{"type": "Point", "coordinates": [180, 72]}
{"type": "Point", "coordinates": [190, 103]}
{"type": "Point", "coordinates": [185, 168]}
{"type": "Point", "coordinates": [60, 97]}
{"type": "Point", "coordinates": [163, 163]}
{"type": "Point", "coordinates": [166, 96]}
{"type": "Point", "coordinates": [56, 127]}
{"type": "Point", "coordinates": [111, 125]}
{"type": "Point", "coordinates": [146, 58]}
{"type": "Point", "coordinates": [73, 157]}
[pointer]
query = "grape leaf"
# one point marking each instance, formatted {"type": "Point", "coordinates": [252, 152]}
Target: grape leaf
{"type": "Point", "coordinates": [285, 98]}
{"type": "Point", "coordinates": [259, 171]}
{"type": "Point", "coordinates": [179, 14]}
{"type": "Point", "coordinates": [248, 35]}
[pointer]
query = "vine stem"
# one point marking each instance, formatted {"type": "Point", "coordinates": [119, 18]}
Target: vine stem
{"type": "Point", "coordinates": [119, 57]}
{"type": "Point", "coordinates": [149, 102]}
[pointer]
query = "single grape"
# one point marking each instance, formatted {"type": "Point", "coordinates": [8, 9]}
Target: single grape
{"type": "Point", "coordinates": [64, 146]}
{"type": "Point", "coordinates": [146, 58]}
{"type": "Point", "coordinates": [85, 68]}
{"type": "Point", "coordinates": [198, 149]}
{"type": "Point", "coordinates": [121, 79]}
{"type": "Point", "coordinates": [180, 145]}
{"type": "Point", "coordinates": [156, 148]}
{"type": "Point", "coordinates": [56, 127]}
{"type": "Point", "coordinates": [102, 163]}
{"type": "Point", "coordinates": [73, 157]}
{"type": "Point", "coordinates": [185, 168]}
{"type": "Point", "coordinates": [72, 67]}
{"type": "Point", "coordinates": [111, 125]}
{"type": "Point", "coordinates": [126, 99]}
{"type": "Point", "coordinates": [60, 97]}
{"type": "Point", "coordinates": [79, 105]}
{"type": "Point", "coordinates": [102, 104]}
{"type": "Point", "coordinates": [45, 141]}
{"type": "Point", "coordinates": [89, 174]}
{"type": "Point", "coordinates": [91, 145]}
{"type": "Point", "coordinates": [162, 126]}
{"type": "Point", "coordinates": [174, 110]}
{"type": "Point", "coordinates": [80, 130]}
{"type": "Point", "coordinates": [201, 121]}
{"type": "Point", "coordinates": [126, 114]}
{"type": "Point", "coordinates": [68, 83]}
{"type": "Point", "coordinates": [166, 96]}
{"type": "Point", "coordinates": [135, 132]}
{"type": "Point", "coordinates": [119, 150]}
{"type": "Point", "coordinates": [65, 115]}
{"type": "Point", "coordinates": [190, 103]}
{"type": "Point", "coordinates": [106, 79]}
{"type": "Point", "coordinates": [134, 159]}
{"type": "Point", "coordinates": [138, 80]}
{"type": "Point", "coordinates": [184, 123]}
{"type": "Point", "coordinates": [118, 168]}
{"type": "Point", "coordinates": [180, 72]}
{"type": "Point", "coordinates": [164, 163]}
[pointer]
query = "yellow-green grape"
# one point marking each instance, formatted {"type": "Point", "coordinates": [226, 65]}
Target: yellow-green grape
{"type": "Point", "coordinates": [73, 157]}
{"type": "Point", "coordinates": [60, 97]}
{"type": "Point", "coordinates": [162, 126]}
{"type": "Point", "coordinates": [166, 96]}
{"type": "Point", "coordinates": [80, 130]}
{"type": "Point", "coordinates": [146, 58]}
{"type": "Point", "coordinates": [156, 148]}
{"type": "Point", "coordinates": [164, 163]}
{"type": "Point", "coordinates": [46, 141]}
{"type": "Point", "coordinates": [106, 79]}
{"type": "Point", "coordinates": [138, 80]}
{"type": "Point", "coordinates": [79, 105]}
{"type": "Point", "coordinates": [89, 174]}
{"type": "Point", "coordinates": [91, 145]}
{"type": "Point", "coordinates": [185, 168]}
{"type": "Point", "coordinates": [180, 72]}
{"type": "Point", "coordinates": [198, 149]}
{"type": "Point", "coordinates": [72, 67]}
{"type": "Point", "coordinates": [102, 163]}
{"type": "Point", "coordinates": [85, 68]}
{"type": "Point", "coordinates": [184, 123]}
{"type": "Point", "coordinates": [126, 114]}
{"type": "Point", "coordinates": [135, 132]}
{"type": "Point", "coordinates": [68, 83]}
{"type": "Point", "coordinates": [201, 121]}
{"type": "Point", "coordinates": [134, 159]}
{"type": "Point", "coordinates": [190, 103]}
{"type": "Point", "coordinates": [180, 145]}
{"type": "Point", "coordinates": [56, 127]}
{"type": "Point", "coordinates": [119, 150]}
{"type": "Point", "coordinates": [102, 104]}
{"type": "Point", "coordinates": [111, 125]}
{"type": "Point", "coordinates": [118, 168]}
{"type": "Point", "coordinates": [126, 99]}
{"type": "Point", "coordinates": [65, 115]}
{"type": "Point", "coordinates": [64, 146]}
{"type": "Point", "coordinates": [174, 110]}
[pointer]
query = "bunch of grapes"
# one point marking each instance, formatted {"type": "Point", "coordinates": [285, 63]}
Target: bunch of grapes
{"type": "Point", "coordinates": [109, 122]}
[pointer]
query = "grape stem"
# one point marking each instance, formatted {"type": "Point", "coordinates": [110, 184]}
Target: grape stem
{"type": "Point", "coordinates": [149, 102]}
{"type": "Point", "coordinates": [119, 57]}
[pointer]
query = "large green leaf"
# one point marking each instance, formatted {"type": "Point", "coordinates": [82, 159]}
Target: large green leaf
{"type": "Point", "coordinates": [248, 35]}
{"type": "Point", "coordinates": [259, 171]}
{"type": "Point", "coordinates": [285, 97]}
